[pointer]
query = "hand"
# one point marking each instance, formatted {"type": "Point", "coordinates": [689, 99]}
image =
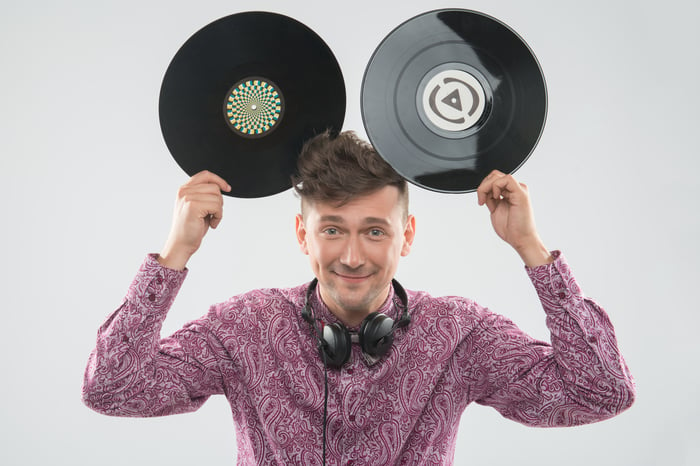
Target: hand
{"type": "Point", "coordinates": [512, 217]}
{"type": "Point", "coordinates": [199, 206]}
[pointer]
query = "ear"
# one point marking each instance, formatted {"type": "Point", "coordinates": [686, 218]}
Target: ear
{"type": "Point", "coordinates": [301, 234]}
{"type": "Point", "coordinates": [408, 234]}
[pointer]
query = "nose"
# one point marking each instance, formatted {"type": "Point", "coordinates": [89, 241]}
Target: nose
{"type": "Point", "coordinates": [352, 255]}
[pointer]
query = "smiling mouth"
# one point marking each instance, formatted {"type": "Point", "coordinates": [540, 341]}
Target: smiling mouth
{"type": "Point", "coordinates": [352, 278]}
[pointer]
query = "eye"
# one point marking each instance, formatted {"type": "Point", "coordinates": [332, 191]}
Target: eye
{"type": "Point", "coordinates": [331, 231]}
{"type": "Point", "coordinates": [376, 233]}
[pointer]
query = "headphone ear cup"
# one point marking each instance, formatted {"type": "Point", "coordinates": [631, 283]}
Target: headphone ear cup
{"type": "Point", "coordinates": [336, 345]}
{"type": "Point", "coordinates": [376, 334]}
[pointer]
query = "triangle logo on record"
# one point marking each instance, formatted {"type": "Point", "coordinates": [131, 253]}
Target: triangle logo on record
{"type": "Point", "coordinates": [453, 100]}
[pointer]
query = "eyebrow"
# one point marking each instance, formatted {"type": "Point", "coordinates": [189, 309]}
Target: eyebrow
{"type": "Point", "coordinates": [367, 220]}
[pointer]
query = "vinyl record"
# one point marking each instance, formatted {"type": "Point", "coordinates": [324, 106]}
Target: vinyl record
{"type": "Point", "coordinates": [243, 94]}
{"type": "Point", "coordinates": [449, 96]}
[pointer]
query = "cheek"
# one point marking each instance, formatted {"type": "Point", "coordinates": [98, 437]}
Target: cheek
{"type": "Point", "coordinates": [401, 246]}
{"type": "Point", "coordinates": [385, 253]}
{"type": "Point", "coordinates": [318, 251]}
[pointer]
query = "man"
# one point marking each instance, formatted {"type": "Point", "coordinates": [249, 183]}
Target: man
{"type": "Point", "coordinates": [350, 368]}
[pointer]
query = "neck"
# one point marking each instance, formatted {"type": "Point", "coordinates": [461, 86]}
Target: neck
{"type": "Point", "coordinates": [352, 315]}
{"type": "Point", "coordinates": [349, 313]}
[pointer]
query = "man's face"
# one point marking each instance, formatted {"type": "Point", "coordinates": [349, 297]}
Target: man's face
{"type": "Point", "coordinates": [354, 249]}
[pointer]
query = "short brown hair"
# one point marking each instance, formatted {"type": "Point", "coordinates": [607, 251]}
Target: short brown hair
{"type": "Point", "coordinates": [339, 168]}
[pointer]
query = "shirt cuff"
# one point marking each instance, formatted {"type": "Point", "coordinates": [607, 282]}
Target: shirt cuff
{"type": "Point", "coordinates": [155, 287]}
{"type": "Point", "coordinates": [555, 281]}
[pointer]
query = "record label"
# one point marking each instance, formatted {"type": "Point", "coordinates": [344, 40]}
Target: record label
{"type": "Point", "coordinates": [253, 107]}
{"type": "Point", "coordinates": [450, 100]}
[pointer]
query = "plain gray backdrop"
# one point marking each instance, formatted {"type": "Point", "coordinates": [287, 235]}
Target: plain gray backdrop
{"type": "Point", "coordinates": [87, 187]}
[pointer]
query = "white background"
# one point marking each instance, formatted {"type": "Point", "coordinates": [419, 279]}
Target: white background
{"type": "Point", "coordinates": [87, 187]}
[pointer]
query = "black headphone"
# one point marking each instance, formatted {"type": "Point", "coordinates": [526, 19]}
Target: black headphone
{"type": "Point", "coordinates": [376, 333]}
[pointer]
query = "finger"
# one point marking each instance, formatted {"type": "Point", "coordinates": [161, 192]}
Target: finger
{"type": "Point", "coordinates": [507, 187]}
{"type": "Point", "coordinates": [215, 217]}
{"type": "Point", "coordinates": [207, 177]}
{"type": "Point", "coordinates": [189, 193]}
{"type": "Point", "coordinates": [212, 214]}
{"type": "Point", "coordinates": [200, 202]}
{"type": "Point", "coordinates": [485, 187]}
{"type": "Point", "coordinates": [494, 173]}
{"type": "Point", "coordinates": [491, 203]}
{"type": "Point", "coordinates": [204, 203]}
{"type": "Point", "coordinates": [201, 188]}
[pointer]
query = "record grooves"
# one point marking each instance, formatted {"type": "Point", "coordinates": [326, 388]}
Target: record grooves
{"type": "Point", "coordinates": [243, 94]}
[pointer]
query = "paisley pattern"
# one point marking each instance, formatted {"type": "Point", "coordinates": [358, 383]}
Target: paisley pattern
{"type": "Point", "coordinates": [257, 350]}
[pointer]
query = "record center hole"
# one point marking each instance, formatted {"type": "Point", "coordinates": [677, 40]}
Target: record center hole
{"type": "Point", "coordinates": [253, 107]}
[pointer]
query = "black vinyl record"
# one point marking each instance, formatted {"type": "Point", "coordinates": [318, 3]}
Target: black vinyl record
{"type": "Point", "coordinates": [449, 96]}
{"type": "Point", "coordinates": [243, 94]}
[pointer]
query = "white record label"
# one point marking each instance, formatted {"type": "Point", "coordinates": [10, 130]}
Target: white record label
{"type": "Point", "coordinates": [453, 100]}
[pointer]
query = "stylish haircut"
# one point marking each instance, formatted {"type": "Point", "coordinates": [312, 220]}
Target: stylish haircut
{"type": "Point", "coordinates": [337, 169]}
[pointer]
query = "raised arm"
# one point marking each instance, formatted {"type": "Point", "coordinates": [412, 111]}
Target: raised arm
{"type": "Point", "coordinates": [131, 371]}
{"type": "Point", "coordinates": [579, 377]}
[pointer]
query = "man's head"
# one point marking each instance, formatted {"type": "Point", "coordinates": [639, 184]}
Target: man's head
{"type": "Point", "coordinates": [354, 224]}
{"type": "Point", "coordinates": [337, 169]}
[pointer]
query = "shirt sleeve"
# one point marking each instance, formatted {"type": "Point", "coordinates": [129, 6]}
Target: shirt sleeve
{"type": "Point", "coordinates": [132, 372]}
{"type": "Point", "coordinates": [579, 378]}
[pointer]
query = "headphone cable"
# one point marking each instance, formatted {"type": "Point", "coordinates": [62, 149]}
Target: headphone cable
{"type": "Point", "coordinates": [325, 404]}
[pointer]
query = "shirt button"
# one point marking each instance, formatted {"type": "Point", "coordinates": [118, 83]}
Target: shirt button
{"type": "Point", "coordinates": [350, 463]}
{"type": "Point", "coordinates": [349, 371]}
{"type": "Point", "coordinates": [151, 297]}
{"type": "Point", "coordinates": [592, 339]}
{"type": "Point", "coordinates": [159, 280]}
{"type": "Point", "coordinates": [125, 339]}
{"type": "Point", "coordinates": [351, 418]}
{"type": "Point", "coordinates": [562, 294]}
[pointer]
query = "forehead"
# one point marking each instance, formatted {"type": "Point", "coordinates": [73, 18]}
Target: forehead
{"type": "Point", "coordinates": [383, 203]}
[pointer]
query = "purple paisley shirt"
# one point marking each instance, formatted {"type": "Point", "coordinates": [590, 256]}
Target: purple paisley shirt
{"type": "Point", "coordinates": [257, 350]}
